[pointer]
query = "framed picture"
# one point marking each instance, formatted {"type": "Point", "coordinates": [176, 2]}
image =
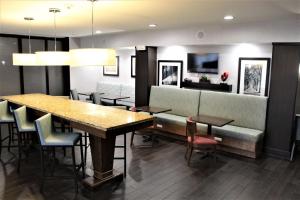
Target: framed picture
{"type": "Point", "coordinates": [112, 70]}
{"type": "Point", "coordinates": [133, 66]}
{"type": "Point", "coordinates": [170, 73]}
{"type": "Point", "coordinates": [253, 77]}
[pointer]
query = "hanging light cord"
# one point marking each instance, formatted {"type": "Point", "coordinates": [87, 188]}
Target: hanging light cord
{"type": "Point", "coordinates": [29, 19]}
{"type": "Point", "coordinates": [29, 35]}
{"type": "Point", "coordinates": [54, 13]}
{"type": "Point", "coordinates": [92, 23]}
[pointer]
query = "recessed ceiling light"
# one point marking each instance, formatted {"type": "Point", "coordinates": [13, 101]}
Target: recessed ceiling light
{"type": "Point", "coordinates": [98, 32]}
{"type": "Point", "coordinates": [152, 25]}
{"type": "Point", "coordinates": [228, 17]}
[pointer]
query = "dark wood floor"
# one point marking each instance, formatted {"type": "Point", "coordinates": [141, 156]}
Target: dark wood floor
{"type": "Point", "coordinates": [162, 173]}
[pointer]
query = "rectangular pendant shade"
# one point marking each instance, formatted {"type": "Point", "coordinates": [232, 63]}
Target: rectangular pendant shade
{"type": "Point", "coordinates": [92, 57]}
{"type": "Point", "coordinates": [24, 59]}
{"type": "Point", "coordinates": [53, 58]}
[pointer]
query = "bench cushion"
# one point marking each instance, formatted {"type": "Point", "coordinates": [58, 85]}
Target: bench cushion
{"type": "Point", "coordinates": [183, 102]}
{"type": "Point", "coordinates": [238, 133]}
{"type": "Point", "coordinates": [246, 110]}
{"type": "Point", "coordinates": [164, 118]}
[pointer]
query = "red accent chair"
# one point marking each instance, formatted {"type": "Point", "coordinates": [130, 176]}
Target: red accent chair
{"type": "Point", "coordinates": [195, 141]}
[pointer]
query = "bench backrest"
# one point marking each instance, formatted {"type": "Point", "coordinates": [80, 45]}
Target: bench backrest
{"type": "Point", "coordinates": [246, 110]}
{"type": "Point", "coordinates": [183, 102]}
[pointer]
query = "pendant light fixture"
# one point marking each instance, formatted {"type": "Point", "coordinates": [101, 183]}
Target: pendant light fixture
{"type": "Point", "coordinates": [53, 58]}
{"type": "Point", "coordinates": [92, 56]}
{"type": "Point", "coordinates": [26, 59]}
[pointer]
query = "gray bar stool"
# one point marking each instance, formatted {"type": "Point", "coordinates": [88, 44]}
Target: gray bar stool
{"type": "Point", "coordinates": [24, 128]}
{"type": "Point", "coordinates": [6, 118]}
{"type": "Point", "coordinates": [50, 139]}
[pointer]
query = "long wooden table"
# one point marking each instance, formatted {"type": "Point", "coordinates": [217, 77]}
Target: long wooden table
{"type": "Point", "coordinates": [101, 122]}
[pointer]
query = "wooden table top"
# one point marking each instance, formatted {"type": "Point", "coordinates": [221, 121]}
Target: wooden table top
{"type": "Point", "coordinates": [212, 120]}
{"type": "Point", "coordinates": [100, 117]}
{"type": "Point", "coordinates": [152, 110]}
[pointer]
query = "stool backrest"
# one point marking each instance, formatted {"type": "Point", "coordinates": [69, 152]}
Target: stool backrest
{"type": "Point", "coordinates": [96, 98]}
{"type": "Point", "coordinates": [74, 94]}
{"type": "Point", "coordinates": [20, 117]}
{"type": "Point", "coordinates": [44, 127]}
{"type": "Point", "coordinates": [4, 111]}
{"type": "Point", "coordinates": [191, 129]}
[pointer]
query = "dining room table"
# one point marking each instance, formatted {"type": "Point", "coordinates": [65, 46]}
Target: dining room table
{"type": "Point", "coordinates": [103, 123]}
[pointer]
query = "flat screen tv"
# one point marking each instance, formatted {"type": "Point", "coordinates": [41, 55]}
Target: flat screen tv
{"type": "Point", "coordinates": [203, 63]}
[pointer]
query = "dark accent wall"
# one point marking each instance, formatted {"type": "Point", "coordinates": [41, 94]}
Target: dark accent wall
{"type": "Point", "coordinates": [27, 79]}
{"type": "Point", "coordinates": [145, 74]}
{"type": "Point", "coordinates": [282, 99]}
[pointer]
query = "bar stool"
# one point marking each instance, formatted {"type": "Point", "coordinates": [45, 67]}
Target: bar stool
{"type": "Point", "coordinates": [50, 139]}
{"type": "Point", "coordinates": [24, 129]}
{"type": "Point", "coordinates": [6, 118]}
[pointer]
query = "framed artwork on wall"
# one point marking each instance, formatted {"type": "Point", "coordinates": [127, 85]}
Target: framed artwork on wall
{"type": "Point", "coordinates": [133, 66]}
{"type": "Point", "coordinates": [112, 70]}
{"type": "Point", "coordinates": [170, 73]}
{"type": "Point", "coordinates": [253, 77]}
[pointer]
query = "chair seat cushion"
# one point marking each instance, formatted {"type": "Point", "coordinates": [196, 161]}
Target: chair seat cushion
{"type": "Point", "coordinates": [238, 133]}
{"type": "Point", "coordinates": [27, 127]}
{"type": "Point", "coordinates": [62, 139]}
{"type": "Point", "coordinates": [202, 140]}
{"type": "Point", "coordinates": [7, 119]}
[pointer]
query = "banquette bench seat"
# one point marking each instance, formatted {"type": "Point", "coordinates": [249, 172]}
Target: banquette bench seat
{"type": "Point", "coordinates": [243, 136]}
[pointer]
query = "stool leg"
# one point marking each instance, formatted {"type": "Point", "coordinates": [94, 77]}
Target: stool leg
{"type": "Point", "coordinates": [74, 169]}
{"type": "Point", "coordinates": [9, 136]}
{"type": "Point", "coordinates": [42, 169]}
{"type": "Point", "coordinates": [0, 141]}
{"type": "Point", "coordinates": [85, 148]}
{"type": "Point", "coordinates": [125, 145]}
{"type": "Point", "coordinates": [82, 159]}
{"type": "Point", "coordinates": [19, 151]}
{"type": "Point", "coordinates": [132, 136]}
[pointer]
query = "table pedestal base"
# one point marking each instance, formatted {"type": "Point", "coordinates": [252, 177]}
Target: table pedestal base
{"type": "Point", "coordinates": [93, 182]}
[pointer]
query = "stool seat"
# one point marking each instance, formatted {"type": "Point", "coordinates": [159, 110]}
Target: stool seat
{"type": "Point", "coordinates": [27, 127]}
{"type": "Point", "coordinates": [62, 139]}
{"type": "Point", "coordinates": [7, 119]}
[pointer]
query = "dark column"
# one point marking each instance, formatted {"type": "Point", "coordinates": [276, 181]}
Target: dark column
{"type": "Point", "coordinates": [145, 74]}
{"type": "Point", "coordinates": [282, 99]}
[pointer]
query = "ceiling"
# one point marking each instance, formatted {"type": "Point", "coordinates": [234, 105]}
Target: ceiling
{"type": "Point", "coordinates": [132, 15]}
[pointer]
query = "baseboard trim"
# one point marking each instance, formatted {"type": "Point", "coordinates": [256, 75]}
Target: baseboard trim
{"type": "Point", "coordinates": [277, 153]}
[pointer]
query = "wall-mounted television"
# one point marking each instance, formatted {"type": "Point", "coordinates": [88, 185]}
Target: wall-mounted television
{"type": "Point", "coordinates": [203, 63]}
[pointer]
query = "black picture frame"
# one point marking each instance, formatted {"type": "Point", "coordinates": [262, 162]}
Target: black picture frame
{"type": "Point", "coordinates": [133, 66]}
{"type": "Point", "coordinates": [171, 63]}
{"type": "Point", "coordinates": [264, 63]}
{"type": "Point", "coordinates": [116, 73]}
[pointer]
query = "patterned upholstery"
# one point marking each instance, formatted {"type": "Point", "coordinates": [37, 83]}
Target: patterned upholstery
{"type": "Point", "coordinates": [183, 102]}
{"type": "Point", "coordinates": [246, 110]}
{"type": "Point", "coordinates": [22, 121]}
{"type": "Point", "coordinates": [5, 115]}
{"type": "Point", "coordinates": [50, 138]}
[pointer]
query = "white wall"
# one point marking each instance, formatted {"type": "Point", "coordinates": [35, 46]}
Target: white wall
{"type": "Point", "coordinates": [85, 79]}
{"type": "Point", "coordinates": [228, 58]}
{"type": "Point", "coordinates": [227, 39]}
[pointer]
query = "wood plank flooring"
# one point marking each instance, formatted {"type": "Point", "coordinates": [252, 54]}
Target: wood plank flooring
{"type": "Point", "coordinates": [162, 173]}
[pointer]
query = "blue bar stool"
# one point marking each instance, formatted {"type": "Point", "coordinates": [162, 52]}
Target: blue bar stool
{"type": "Point", "coordinates": [6, 118]}
{"type": "Point", "coordinates": [24, 129]}
{"type": "Point", "coordinates": [50, 139]}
